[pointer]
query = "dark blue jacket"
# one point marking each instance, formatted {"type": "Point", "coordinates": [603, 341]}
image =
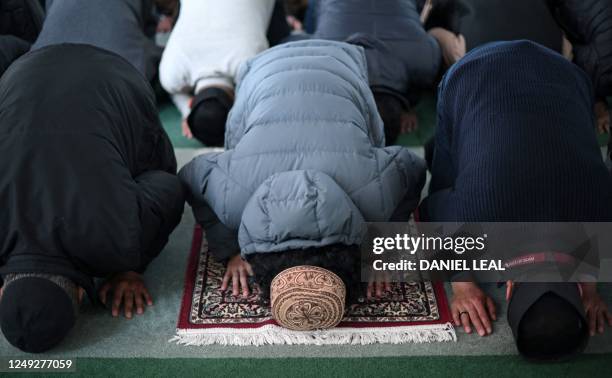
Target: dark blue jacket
{"type": "Point", "coordinates": [516, 140]}
{"type": "Point", "coordinates": [118, 26]}
{"type": "Point", "coordinates": [399, 52]}
{"type": "Point", "coordinates": [588, 26]}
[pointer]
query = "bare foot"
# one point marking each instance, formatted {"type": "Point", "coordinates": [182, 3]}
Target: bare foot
{"type": "Point", "coordinates": [567, 49]}
{"type": "Point", "coordinates": [427, 7]}
{"type": "Point", "coordinates": [186, 130]}
{"type": "Point", "coordinates": [453, 46]}
{"type": "Point", "coordinates": [295, 24]}
{"type": "Point", "coordinates": [602, 114]}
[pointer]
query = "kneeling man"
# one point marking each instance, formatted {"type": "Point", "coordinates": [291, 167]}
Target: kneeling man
{"type": "Point", "coordinates": [88, 189]}
{"type": "Point", "coordinates": [305, 167]}
{"type": "Point", "coordinates": [518, 145]}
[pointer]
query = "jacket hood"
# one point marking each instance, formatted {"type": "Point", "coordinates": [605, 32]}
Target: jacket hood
{"type": "Point", "coordinates": [298, 210]}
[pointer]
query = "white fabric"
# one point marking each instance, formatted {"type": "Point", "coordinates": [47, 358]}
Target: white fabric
{"type": "Point", "coordinates": [210, 41]}
{"type": "Point", "coordinates": [272, 334]}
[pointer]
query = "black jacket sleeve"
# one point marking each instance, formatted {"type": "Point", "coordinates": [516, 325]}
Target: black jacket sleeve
{"type": "Point", "coordinates": [11, 48]}
{"type": "Point", "coordinates": [587, 24]}
{"type": "Point", "coordinates": [161, 201]}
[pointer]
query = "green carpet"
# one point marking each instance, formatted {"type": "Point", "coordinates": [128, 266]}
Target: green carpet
{"type": "Point", "coordinates": [120, 348]}
{"type": "Point", "coordinates": [98, 335]}
{"type": "Point", "coordinates": [426, 113]}
{"type": "Point", "coordinates": [171, 119]}
{"type": "Point", "coordinates": [429, 367]}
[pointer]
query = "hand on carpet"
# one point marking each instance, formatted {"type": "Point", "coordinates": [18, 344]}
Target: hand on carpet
{"type": "Point", "coordinates": [595, 309]}
{"type": "Point", "coordinates": [471, 306]}
{"type": "Point", "coordinates": [127, 288]}
{"type": "Point", "coordinates": [186, 130]}
{"type": "Point", "coordinates": [410, 122]}
{"type": "Point", "coordinates": [238, 272]}
{"type": "Point", "coordinates": [378, 285]}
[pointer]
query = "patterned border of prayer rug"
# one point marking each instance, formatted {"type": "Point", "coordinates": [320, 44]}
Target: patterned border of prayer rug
{"type": "Point", "coordinates": [414, 312]}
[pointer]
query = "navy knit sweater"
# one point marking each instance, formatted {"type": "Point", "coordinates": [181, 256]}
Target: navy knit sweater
{"type": "Point", "coordinates": [516, 140]}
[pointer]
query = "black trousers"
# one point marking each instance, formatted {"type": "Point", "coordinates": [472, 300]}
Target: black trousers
{"type": "Point", "coordinates": [278, 29]}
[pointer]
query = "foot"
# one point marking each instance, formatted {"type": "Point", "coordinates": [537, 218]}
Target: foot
{"type": "Point", "coordinates": [453, 46]}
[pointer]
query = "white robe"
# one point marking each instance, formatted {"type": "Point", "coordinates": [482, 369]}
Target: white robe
{"type": "Point", "coordinates": [210, 41]}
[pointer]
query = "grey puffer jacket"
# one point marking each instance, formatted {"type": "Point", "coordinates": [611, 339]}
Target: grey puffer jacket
{"type": "Point", "coordinates": [302, 106]}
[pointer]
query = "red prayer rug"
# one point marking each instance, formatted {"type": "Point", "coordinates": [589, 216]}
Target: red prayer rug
{"type": "Point", "coordinates": [412, 312]}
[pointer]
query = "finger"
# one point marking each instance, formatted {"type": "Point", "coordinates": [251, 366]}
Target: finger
{"type": "Point", "coordinates": [462, 46]}
{"type": "Point", "coordinates": [491, 308]}
{"type": "Point", "coordinates": [186, 130]}
{"type": "Point", "coordinates": [483, 317]}
{"type": "Point", "coordinates": [476, 321]}
{"type": "Point", "coordinates": [592, 317]}
{"type": "Point", "coordinates": [379, 289]}
{"type": "Point", "coordinates": [147, 296]}
{"type": "Point", "coordinates": [249, 269]}
{"type": "Point", "coordinates": [128, 303]}
{"type": "Point", "coordinates": [609, 317]}
{"type": "Point", "coordinates": [235, 284]}
{"type": "Point", "coordinates": [408, 126]}
{"type": "Point", "coordinates": [413, 125]}
{"type": "Point", "coordinates": [456, 318]}
{"type": "Point", "coordinates": [369, 290]}
{"type": "Point", "coordinates": [139, 303]}
{"type": "Point", "coordinates": [508, 291]}
{"type": "Point", "coordinates": [103, 292]}
{"type": "Point", "coordinates": [226, 279]}
{"type": "Point", "coordinates": [244, 283]}
{"type": "Point", "coordinates": [387, 286]}
{"type": "Point", "coordinates": [117, 297]}
{"type": "Point", "coordinates": [601, 322]}
{"type": "Point", "coordinates": [465, 320]}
